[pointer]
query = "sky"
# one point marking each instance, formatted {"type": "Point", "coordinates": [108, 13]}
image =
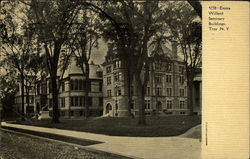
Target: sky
{"type": "Point", "coordinates": [98, 54]}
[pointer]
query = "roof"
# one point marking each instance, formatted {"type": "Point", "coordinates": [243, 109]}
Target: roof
{"type": "Point", "coordinates": [166, 52]}
{"type": "Point", "coordinates": [74, 69]}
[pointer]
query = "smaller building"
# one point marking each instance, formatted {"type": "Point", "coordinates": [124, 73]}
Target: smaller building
{"type": "Point", "coordinates": [71, 97]}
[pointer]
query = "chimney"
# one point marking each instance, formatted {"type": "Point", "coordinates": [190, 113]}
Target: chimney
{"type": "Point", "coordinates": [174, 48]}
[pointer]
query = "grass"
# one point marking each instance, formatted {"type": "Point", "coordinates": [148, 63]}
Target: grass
{"type": "Point", "coordinates": [161, 127]}
{"type": "Point", "coordinates": [82, 142]}
{"type": "Point", "coordinates": [16, 146]}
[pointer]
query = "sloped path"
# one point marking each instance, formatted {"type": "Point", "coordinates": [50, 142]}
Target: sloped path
{"type": "Point", "coordinates": [137, 147]}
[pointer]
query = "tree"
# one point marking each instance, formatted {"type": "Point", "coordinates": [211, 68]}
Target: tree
{"type": "Point", "coordinates": [135, 24]}
{"type": "Point", "coordinates": [17, 41]}
{"type": "Point", "coordinates": [53, 21]}
{"type": "Point", "coordinates": [85, 37]}
{"type": "Point", "coordinates": [197, 6]}
{"type": "Point", "coordinates": [8, 88]}
{"type": "Point", "coordinates": [185, 28]}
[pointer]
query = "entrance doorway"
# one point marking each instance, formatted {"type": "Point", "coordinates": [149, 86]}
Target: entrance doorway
{"type": "Point", "coordinates": [108, 108]}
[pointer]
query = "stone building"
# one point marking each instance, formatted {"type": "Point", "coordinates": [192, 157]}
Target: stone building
{"type": "Point", "coordinates": [71, 97]}
{"type": "Point", "coordinates": [197, 92]}
{"type": "Point", "coordinates": [29, 100]}
{"type": "Point", "coordinates": [166, 92]}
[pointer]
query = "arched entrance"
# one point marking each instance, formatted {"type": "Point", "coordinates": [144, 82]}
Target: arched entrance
{"type": "Point", "coordinates": [159, 106]}
{"type": "Point", "coordinates": [108, 108]}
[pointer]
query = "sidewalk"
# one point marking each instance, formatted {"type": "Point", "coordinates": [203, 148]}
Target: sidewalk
{"type": "Point", "coordinates": [138, 147]}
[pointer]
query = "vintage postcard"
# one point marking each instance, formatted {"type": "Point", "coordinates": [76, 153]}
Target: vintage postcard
{"type": "Point", "coordinates": [125, 79]}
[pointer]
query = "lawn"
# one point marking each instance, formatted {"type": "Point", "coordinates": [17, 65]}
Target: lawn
{"type": "Point", "coordinates": [14, 146]}
{"type": "Point", "coordinates": [156, 127]}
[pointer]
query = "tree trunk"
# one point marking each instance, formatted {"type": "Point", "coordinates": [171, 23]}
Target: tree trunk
{"type": "Point", "coordinates": [87, 88]}
{"type": "Point", "coordinates": [128, 84]}
{"type": "Point", "coordinates": [141, 104]}
{"type": "Point", "coordinates": [27, 96]}
{"type": "Point", "coordinates": [22, 96]}
{"type": "Point", "coordinates": [190, 102]}
{"type": "Point", "coordinates": [55, 113]}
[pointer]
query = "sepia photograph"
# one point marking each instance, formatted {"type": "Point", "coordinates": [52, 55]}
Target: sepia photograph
{"type": "Point", "coordinates": [116, 79]}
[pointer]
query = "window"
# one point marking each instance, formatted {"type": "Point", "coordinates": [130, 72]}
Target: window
{"type": "Point", "coordinates": [182, 104]}
{"type": "Point", "coordinates": [108, 69]}
{"type": "Point", "coordinates": [158, 79]}
{"type": "Point", "coordinates": [169, 92]}
{"type": "Point", "coordinates": [89, 101]}
{"type": "Point", "coordinates": [71, 85]}
{"type": "Point", "coordinates": [108, 80]}
{"type": "Point", "coordinates": [77, 84]}
{"type": "Point", "coordinates": [81, 100]}
{"type": "Point", "coordinates": [118, 91]}
{"type": "Point", "coordinates": [77, 101]}
{"type": "Point", "coordinates": [109, 93]}
{"type": "Point", "coordinates": [117, 64]}
{"type": "Point", "coordinates": [181, 92]}
{"type": "Point", "coordinates": [132, 104]}
{"type": "Point", "coordinates": [100, 86]}
{"type": "Point", "coordinates": [158, 91]}
{"type": "Point", "coordinates": [181, 79]}
{"type": "Point", "coordinates": [168, 78]}
{"type": "Point", "coordinates": [147, 104]}
{"type": "Point", "coordinates": [169, 104]}
{"type": "Point", "coordinates": [120, 76]}
{"type": "Point", "coordinates": [116, 77]}
{"type": "Point", "coordinates": [62, 102]}
{"type": "Point", "coordinates": [169, 67]}
{"type": "Point", "coordinates": [31, 99]}
{"type": "Point", "coordinates": [181, 69]}
{"type": "Point", "coordinates": [81, 86]}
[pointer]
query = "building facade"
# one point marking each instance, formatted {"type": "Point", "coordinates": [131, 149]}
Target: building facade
{"type": "Point", "coordinates": [29, 100]}
{"type": "Point", "coordinates": [71, 97]}
{"type": "Point", "coordinates": [197, 92]}
{"type": "Point", "coordinates": [166, 91]}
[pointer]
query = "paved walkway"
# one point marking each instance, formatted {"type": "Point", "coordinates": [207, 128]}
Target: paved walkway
{"type": "Point", "coordinates": [137, 147]}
